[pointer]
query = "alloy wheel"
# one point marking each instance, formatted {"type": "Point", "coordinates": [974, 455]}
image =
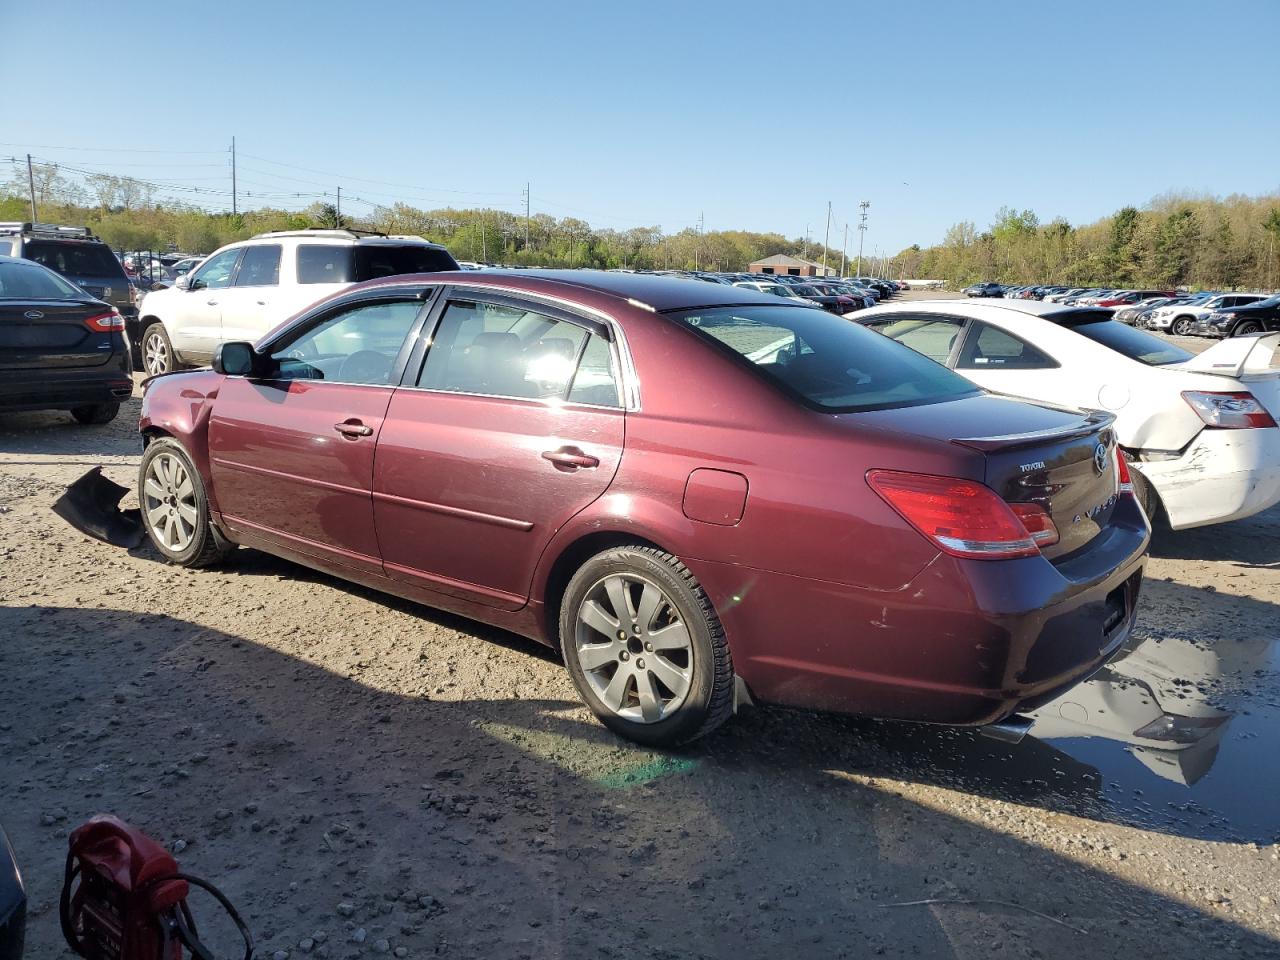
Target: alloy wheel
{"type": "Point", "coordinates": [155, 354]}
{"type": "Point", "coordinates": [169, 502]}
{"type": "Point", "coordinates": [634, 649]}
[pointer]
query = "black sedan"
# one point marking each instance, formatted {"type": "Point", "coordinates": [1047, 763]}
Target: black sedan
{"type": "Point", "coordinates": [60, 348]}
{"type": "Point", "coordinates": [1262, 316]}
{"type": "Point", "coordinates": [13, 904]}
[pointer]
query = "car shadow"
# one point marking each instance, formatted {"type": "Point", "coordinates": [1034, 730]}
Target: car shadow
{"type": "Point", "coordinates": [1259, 549]}
{"type": "Point", "coordinates": [509, 827]}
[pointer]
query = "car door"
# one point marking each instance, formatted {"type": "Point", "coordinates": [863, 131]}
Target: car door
{"type": "Point", "coordinates": [195, 329]}
{"type": "Point", "coordinates": [291, 453]}
{"type": "Point", "coordinates": [248, 303]}
{"type": "Point", "coordinates": [513, 424]}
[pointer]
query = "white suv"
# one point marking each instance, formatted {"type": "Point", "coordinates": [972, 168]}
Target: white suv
{"type": "Point", "coordinates": [1179, 318]}
{"type": "Point", "coordinates": [246, 289]}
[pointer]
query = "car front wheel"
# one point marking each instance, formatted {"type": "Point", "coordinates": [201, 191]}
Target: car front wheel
{"type": "Point", "coordinates": [175, 507]}
{"type": "Point", "coordinates": [1182, 326]}
{"type": "Point", "coordinates": [1246, 329]}
{"type": "Point", "coordinates": [157, 351]}
{"type": "Point", "coordinates": [645, 648]}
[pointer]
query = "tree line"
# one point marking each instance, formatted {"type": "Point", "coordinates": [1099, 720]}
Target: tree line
{"type": "Point", "coordinates": [1175, 240]}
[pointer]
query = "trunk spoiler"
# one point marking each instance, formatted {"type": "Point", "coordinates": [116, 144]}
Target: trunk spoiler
{"type": "Point", "coordinates": [1235, 357]}
{"type": "Point", "coordinates": [1091, 422]}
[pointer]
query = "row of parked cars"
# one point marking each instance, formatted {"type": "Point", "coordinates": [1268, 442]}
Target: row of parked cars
{"type": "Point", "coordinates": [1208, 313]}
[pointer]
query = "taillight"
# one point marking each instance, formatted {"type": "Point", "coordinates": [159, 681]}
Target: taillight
{"type": "Point", "coordinates": [1122, 473]}
{"type": "Point", "coordinates": [1229, 411]}
{"type": "Point", "coordinates": [105, 322]}
{"type": "Point", "coordinates": [1037, 522]}
{"type": "Point", "coordinates": [962, 517]}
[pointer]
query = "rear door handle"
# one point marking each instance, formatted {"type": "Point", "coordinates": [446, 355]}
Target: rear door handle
{"type": "Point", "coordinates": [570, 457]}
{"type": "Point", "coordinates": [262, 303]}
{"type": "Point", "coordinates": [353, 428]}
{"type": "Point", "coordinates": [212, 303]}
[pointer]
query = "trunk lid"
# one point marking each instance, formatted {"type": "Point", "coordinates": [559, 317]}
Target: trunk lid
{"type": "Point", "coordinates": [1250, 361]}
{"type": "Point", "coordinates": [1033, 453]}
{"type": "Point", "coordinates": [51, 334]}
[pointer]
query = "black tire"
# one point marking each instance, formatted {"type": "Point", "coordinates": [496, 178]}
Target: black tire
{"type": "Point", "coordinates": [1248, 328]}
{"type": "Point", "coordinates": [1145, 494]}
{"type": "Point", "coordinates": [1181, 327]}
{"type": "Point", "coordinates": [155, 341]}
{"type": "Point", "coordinates": [95, 413]}
{"type": "Point", "coordinates": [206, 546]}
{"type": "Point", "coordinates": [709, 698]}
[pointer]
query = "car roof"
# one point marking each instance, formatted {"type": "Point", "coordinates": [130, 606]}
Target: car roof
{"type": "Point", "coordinates": [1034, 308]}
{"type": "Point", "coordinates": [654, 292]}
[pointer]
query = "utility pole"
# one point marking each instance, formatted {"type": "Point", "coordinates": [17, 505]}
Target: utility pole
{"type": "Point", "coordinates": [844, 250]}
{"type": "Point", "coordinates": [31, 184]}
{"type": "Point", "coordinates": [697, 250]}
{"type": "Point", "coordinates": [527, 185]}
{"type": "Point", "coordinates": [826, 239]}
{"type": "Point", "coordinates": [337, 211]}
{"type": "Point", "coordinates": [484, 249]}
{"type": "Point", "coordinates": [805, 255]}
{"type": "Point", "coordinates": [234, 211]}
{"type": "Point", "coordinates": [862, 232]}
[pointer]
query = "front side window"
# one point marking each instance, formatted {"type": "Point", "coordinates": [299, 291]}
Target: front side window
{"type": "Point", "coordinates": [216, 272]}
{"type": "Point", "coordinates": [504, 351]}
{"type": "Point", "coordinates": [260, 266]}
{"type": "Point", "coordinates": [324, 263]}
{"type": "Point", "coordinates": [990, 348]}
{"type": "Point", "coordinates": [933, 338]}
{"type": "Point", "coordinates": [825, 362]}
{"type": "Point", "coordinates": [357, 345]}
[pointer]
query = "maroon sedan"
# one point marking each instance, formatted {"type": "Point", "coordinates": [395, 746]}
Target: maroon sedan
{"type": "Point", "coordinates": [697, 493]}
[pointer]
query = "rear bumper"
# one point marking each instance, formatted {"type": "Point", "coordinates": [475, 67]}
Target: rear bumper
{"type": "Point", "coordinates": [55, 389]}
{"type": "Point", "coordinates": [966, 642]}
{"type": "Point", "coordinates": [1223, 475]}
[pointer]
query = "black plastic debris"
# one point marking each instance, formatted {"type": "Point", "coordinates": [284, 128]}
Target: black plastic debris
{"type": "Point", "coordinates": [92, 506]}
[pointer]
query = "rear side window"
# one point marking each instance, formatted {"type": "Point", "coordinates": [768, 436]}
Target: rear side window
{"type": "Point", "coordinates": [825, 362]}
{"type": "Point", "coordinates": [6, 248]}
{"type": "Point", "coordinates": [992, 348]}
{"type": "Point", "coordinates": [26, 281]}
{"type": "Point", "coordinates": [596, 380]}
{"type": "Point", "coordinates": [324, 263]}
{"type": "Point", "coordinates": [1134, 344]}
{"type": "Point", "coordinates": [259, 267]}
{"type": "Point", "coordinates": [504, 351]}
{"type": "Point", "coordinates": [75, 259]}
{"type": "Point", "coordinates": [376, 260]}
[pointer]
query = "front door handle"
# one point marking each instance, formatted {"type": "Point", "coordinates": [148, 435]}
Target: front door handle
{"type": "Point", "coordinates": [571, 458]}
{"type": "Point", "coordinates": [212, 303]}
{"type": "Point", "coordinates": [353, 428]}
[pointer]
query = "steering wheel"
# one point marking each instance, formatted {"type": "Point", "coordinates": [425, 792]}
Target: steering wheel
{"type": "Point", "coordinates": [365, 366]}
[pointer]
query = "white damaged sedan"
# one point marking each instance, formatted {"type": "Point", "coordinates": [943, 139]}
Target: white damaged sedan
{"type": "Point", "coordinates": [1200, 430]}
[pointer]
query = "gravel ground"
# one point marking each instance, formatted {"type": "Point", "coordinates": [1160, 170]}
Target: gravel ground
{"type": "Point", "coordinates": [365, 776]}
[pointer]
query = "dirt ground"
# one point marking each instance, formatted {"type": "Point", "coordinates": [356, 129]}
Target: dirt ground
{"type": "Point", "coordinates": [365, 776]}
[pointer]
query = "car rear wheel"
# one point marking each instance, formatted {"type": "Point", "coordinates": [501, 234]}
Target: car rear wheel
{"type": "Point", "coordinates": [157, 351]}
{"type": "Point", "coordinates": [1246, 329]}
{"type": "Point", "coordinates": [1182, 326]}
{"type": "Point", "coordinates": [645, 648]}
{"type": "Point", "coordinates": [175, 508]}
{"type": "Point", "coordinates": [95, 413]}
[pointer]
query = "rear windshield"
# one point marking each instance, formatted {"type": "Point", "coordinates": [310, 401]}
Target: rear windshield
{"type": "Point", "coordinates": [26, 281]}
{"type": "Point", "coordinates": [73, 259]}
{"type": "Point", "coordinates": [1134, 344]}
{"type": "Point", "coordinates": [825, 362]}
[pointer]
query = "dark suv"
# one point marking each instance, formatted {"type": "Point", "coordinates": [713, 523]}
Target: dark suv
{"type": "Point", "coordinates": [75, 253]}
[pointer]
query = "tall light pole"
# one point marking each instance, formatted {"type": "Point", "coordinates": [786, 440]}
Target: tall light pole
{"type": "Point", "coordinates": [844, 250]}
{"type": "Point", "coordinates": [526, 214]}
{"type": "Point", "coordinates": [826, 239]}
{"type": "Point", "coordinates": [234, 211]}
{"type": "Point", "coordinates": [31, 184]}
{"type": "Point", "coordinates": [862, 232]}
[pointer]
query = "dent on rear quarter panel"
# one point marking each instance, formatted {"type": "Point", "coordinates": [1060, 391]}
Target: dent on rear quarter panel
{"type": "Point", "coordinates": [179, 405]}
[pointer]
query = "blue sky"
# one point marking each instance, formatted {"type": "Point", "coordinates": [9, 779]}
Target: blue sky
{"type": "Point", "coordinates": [754, 114]}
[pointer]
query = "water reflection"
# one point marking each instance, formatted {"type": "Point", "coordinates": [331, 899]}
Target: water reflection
{"type": "Point", "coordinates": [1178, 728]}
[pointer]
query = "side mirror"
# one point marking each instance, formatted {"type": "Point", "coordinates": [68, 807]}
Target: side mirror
{"type": "Point", "coordinates": [236, 359]}
{"type": "Point", "coordinates": [183, 282]}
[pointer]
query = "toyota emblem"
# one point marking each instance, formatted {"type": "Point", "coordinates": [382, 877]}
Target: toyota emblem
{"type": "Point", "coordinates": [1100, 458]}
{"type": "Point", "coordinates": [34, 315]}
